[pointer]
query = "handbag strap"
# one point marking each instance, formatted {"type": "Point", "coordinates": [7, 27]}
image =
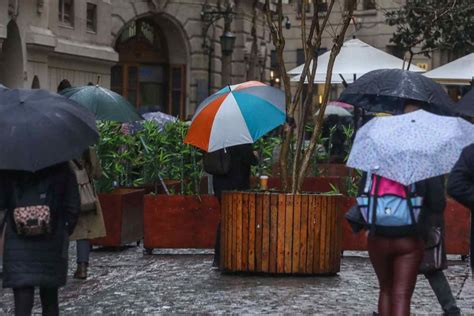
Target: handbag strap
{"type": "Point", "coordinates": [410, 205]}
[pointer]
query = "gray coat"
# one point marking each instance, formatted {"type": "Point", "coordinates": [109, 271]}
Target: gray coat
{"type": "Point", "coordinates": [40, 261]}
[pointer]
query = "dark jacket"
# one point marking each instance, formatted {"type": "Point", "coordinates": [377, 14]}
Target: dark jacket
{"type": "Point", "coordinates": [461, 185]}
{"type": "Point", "coordinates": [238, 177]}
{"type": "Point", "coordinates": [434, 202]}
{"type": "Point", "coordinates": [461, 178]}
{"type": "Point", "coordinates": [40, 261]}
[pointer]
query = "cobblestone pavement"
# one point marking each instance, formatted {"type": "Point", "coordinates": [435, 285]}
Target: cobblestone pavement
{"type": "Point", "coordinates": [181, 281]}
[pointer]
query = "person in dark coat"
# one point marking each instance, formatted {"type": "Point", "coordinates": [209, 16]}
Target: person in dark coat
{"type": "Point", "coordinates": [39, 261]}
{"type": "Point", "coordinates": [461, 186]}
{"type": "Point", "coordinates": [242, 158]}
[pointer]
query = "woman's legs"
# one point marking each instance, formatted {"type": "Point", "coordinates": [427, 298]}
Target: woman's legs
{"type": "Point", "coordinates": [443, 292]}
{"type": "Point", "coordinates": [406, 265]}
{"type": "Point", "coordinates": [24, 298]}
{"type": "Point", "coordinates": [83, 250]}
{"type": "Point", "coordinates": [49, 301]}
{"type": "Point", "coordinates": [383, 266]}
{"type": "Point", "coordinates": [396, 262]}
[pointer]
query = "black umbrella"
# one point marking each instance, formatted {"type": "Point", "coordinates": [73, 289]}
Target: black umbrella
{"type": "Point", "coordinates": [386, 90]}
{"type": "Point", "coordinates": [39, 129]}
{"type": "Point", "coordinates": [465, 106]}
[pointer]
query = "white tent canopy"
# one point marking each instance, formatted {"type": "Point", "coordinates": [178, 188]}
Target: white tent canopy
{"type": "Point", "coordinates": [459, 71]}
{"type": "Point", "coordinates": [355, 58]}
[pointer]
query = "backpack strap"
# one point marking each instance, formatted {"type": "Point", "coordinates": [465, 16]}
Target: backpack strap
{"type": "Point", "coordinates": [374, 210]}
{"type": "Point", "coordinates": [408, 193]}
{"type": "Point", "coordinates": [368, 183]}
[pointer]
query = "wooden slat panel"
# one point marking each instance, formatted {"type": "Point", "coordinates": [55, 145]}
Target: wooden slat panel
{"type": "Point", "coordinates": [295, 265]}
{"type": "Point", "coordinates": [322, 235]}
{"type": "Point", "coordinates": [311, 233]}
{"type": "Point", "coordinates": [224, 210]}
{"type": "Point", "coordinates": [304, 234]}
{"type": "Point", "coordinates": [266, 233]}
{"type": "Point", "coordinates": [317, 233]}
{"type": "Point", "coordinates": [234, 231]}
{"type": "Point", "coordinates": [331, 231]}
{"type": "Point", "coordinates": [230, 225]}
{"type": "Point", "coordinates": [245, 231]}
{"type": "Point", "coordinates": [252, 224]}
{"type": "Point", "coordinates": [289, 232]}
{"type": "Point", "coordinates": [274, 211]}
{"type": "Point", "coordinates": [238, 237]}
{"type": "Point", "coordinates": [259, 232]}
{"type": "Point", "coordinates": [281, 234]}
{"type": "Point", "coordinates": [339, 220]}
{"type": "Point", "coordinates": [329, 234]}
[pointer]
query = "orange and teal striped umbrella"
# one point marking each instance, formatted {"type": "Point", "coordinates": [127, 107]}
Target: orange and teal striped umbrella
{"type": "Point", "coordinates": [238, 114]}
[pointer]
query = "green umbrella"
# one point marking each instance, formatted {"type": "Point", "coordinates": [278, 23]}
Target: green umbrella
{"type": "Point", "coordinates": [104, 103]}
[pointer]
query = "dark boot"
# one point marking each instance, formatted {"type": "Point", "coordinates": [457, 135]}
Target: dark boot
{"type": "Point", "coordinates": [81, 272]}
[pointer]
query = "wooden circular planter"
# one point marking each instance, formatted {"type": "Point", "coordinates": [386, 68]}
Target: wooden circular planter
{"type": "Point", "coordinates": [280, 233]}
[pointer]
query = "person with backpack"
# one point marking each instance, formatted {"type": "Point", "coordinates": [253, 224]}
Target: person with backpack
{"type": "Point", "coordinates": [402, 246]}
{"type": "Point", "coordinates": [396, 245]}
{"type": "Point", "coordinates": [42, 211]}
{"type": "Point", "coordinates": [230, 169]}
{"type": "Point", "coordinates": [91, 222]}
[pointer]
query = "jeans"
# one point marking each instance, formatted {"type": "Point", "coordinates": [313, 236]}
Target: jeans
{"type": "Point", "coordinates": [396, 262]}
{"type": "Point", "coordinates": [442, 290]}
{"type": "Point", "coordinates": [83, 250]}
{"type": "Point", "coordinates": [24, 299]}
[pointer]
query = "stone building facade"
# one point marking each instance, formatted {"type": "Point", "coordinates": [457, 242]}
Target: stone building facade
{"type": "Point", "coordinates": [158, 54]}
{"type": "Point", "coordinates": [163, 54]}
{"type": "Point", "coordinates": [368, 25]}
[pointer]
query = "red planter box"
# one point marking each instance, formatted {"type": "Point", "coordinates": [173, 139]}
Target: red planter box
{"type": "Point", "coordinates": [457, 225]}
{"type": "Point", "coordinates": [334, 169]}
{"type": "Point", "coordinates": [457, 221]}
{"type": "Point", "coordinates": [180, 221]}
{"type": "Point", "coordinates": [123, 216]}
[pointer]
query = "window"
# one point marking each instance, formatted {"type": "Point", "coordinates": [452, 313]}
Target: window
{"type": "Point", "coordinates": [322, 5]}
{"type": "Point", "coordinates": [299, 8]}
{"type": "Point", "coordinates": [66, 12]}
{"type": "Point", "coordinates": [274, 69]}
{"type": "Point", "coordinates": [91, 17]}
{"type": "Point", "coordinates": [368, 5]}
{"type": "Point", "coordinates": [300, 56]}
{"type": "Point", "coordinates": [347, 4]}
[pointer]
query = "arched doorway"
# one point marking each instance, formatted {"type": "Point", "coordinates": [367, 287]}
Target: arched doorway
{"type": "Point", "coordinates": [147, 74]}
{"type": "Point", "coordinates": [36, 83]}
{"type": "Point", "coordinates": [11, 58]}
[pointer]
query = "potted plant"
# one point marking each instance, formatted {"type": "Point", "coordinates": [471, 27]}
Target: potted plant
{"type": "Point", "coordinates": [182, 218]}
{"type": "Point", "coordinates": [122, 205]}
{"type": "Point", "coordinates": [290, 231]}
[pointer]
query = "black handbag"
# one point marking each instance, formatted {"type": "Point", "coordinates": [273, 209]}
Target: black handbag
{"type": "Point", "coordinates": [355, 219]}
{"type": "Point", "coordinates": [434, 257]}
{"type": "Point", "coordinates": [217, 162]}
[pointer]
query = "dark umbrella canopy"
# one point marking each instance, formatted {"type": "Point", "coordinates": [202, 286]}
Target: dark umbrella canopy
{"type": "Point", "coordinates": [104, 103]}
{"type": "Point", "coordinates": [39, 129]}
{"type": "Point", "coordinates": [465, 106]}
{"type": "Point", "coordinates": [386, 90]}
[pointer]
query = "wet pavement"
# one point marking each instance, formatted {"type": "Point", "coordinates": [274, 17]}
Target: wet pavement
{"type": "Point", "coordinates": [181, 281]}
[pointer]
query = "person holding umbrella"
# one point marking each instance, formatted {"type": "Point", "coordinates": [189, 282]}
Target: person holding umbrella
{"type": "Point", "coordinates": [108, 106]}
{"type": "Point", "coordinates": [414, 148]}
{"type": "Point", "coordinates": [39, 133]}
{"type": "Point", "coordinates": [226, 124]}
